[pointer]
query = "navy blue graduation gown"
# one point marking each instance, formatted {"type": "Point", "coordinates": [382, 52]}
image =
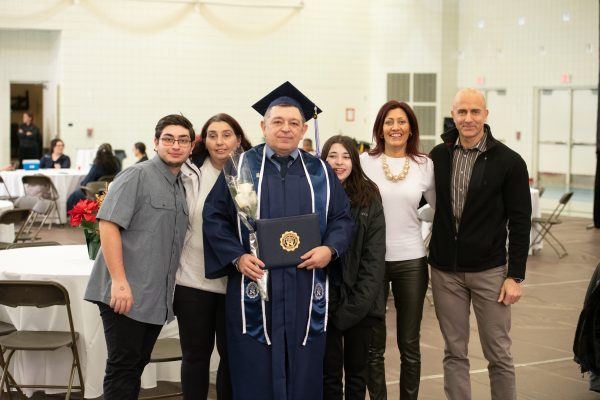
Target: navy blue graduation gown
{"type": "Point", "coordinates": [286, 369]}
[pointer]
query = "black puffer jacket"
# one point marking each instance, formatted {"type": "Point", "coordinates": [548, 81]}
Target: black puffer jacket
{"type": "Point", "coordinates": [357, 287]}
{"type": "Point", "coordinates": [498, 200]}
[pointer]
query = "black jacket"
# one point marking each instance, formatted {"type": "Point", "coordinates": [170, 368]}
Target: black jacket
{"type": "Point", "coordinates": [358, 290]}
{"type": "Point", "coordinates": [498, 200]}
{"type": "Point", "coordinates": [586, 346]}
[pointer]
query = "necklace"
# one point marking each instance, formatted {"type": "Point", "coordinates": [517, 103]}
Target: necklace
{"type": "Point", "coordinates": [388, 173]}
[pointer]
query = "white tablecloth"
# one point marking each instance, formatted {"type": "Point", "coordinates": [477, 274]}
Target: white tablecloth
{"type": "Point", "coordinates": [70, 266]}
{"type": "Point", "coordinates": [7, 231]}
{"type": "Point", "coordinates": [65, 181]}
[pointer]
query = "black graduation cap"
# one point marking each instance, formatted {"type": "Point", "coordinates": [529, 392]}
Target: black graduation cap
{"type": "Point", "coordinates": [287, 93]}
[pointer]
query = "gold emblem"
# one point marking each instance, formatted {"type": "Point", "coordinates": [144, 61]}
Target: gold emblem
{"type": "Point", "coordinates": [289, 241]}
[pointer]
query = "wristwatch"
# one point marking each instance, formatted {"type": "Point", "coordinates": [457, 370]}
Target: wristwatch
{"type": "Point", "coordinates": [236, 263]}
{"type": "Point", "coordinates": [333, 252]}
{"type": "Point", "coordinates": [518, 280]}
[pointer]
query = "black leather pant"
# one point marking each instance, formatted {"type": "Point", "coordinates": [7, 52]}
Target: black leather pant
{"type": "Point", "coordinates": [409, 286]}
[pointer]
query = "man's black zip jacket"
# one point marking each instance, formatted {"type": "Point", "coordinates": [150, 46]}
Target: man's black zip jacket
{"type": "Point", "coordinates": [498, 202]}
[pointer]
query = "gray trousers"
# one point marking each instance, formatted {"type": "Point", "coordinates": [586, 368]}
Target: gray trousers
{"type": "Point", "coordinates": [453, 294]}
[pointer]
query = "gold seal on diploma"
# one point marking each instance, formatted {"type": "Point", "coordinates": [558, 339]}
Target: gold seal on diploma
{"type": "Point", "coordinates": [289, 241]}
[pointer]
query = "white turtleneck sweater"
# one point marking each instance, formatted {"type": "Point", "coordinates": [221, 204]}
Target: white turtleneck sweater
{"type": "Point", "coordinates": [198, 183]}
{"type": "Point", "coordinates": [404, 240]}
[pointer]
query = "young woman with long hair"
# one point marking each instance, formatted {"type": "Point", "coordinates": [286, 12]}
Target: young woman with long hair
{"type": "Point", "coordinates": [356, 290]}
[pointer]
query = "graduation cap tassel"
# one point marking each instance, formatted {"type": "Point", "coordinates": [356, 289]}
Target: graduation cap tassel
{"type": "Point", "coordinates": [317, 143]}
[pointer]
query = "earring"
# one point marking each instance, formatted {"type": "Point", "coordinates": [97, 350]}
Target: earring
{"type": "Point", "coordinates": [409, 134]}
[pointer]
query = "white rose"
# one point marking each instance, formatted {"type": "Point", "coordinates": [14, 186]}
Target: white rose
{"type": "Point", "coordinates": [242, 200]}
{"type": "Point", "coordinates": [245, 188]}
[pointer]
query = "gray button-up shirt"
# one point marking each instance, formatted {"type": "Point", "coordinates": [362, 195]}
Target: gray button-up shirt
{"type": "Point", "coordinates": [148, 203]}
{"type": "Point", "coordinates": [463, 161]}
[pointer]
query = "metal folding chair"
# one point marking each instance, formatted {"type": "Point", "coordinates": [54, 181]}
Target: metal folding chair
{"type": "Point", "coordinates": [8, 196]}
{"type": "Point", "coordinates": [165, 350]}
{"type": "Point", "coordinates": [40, 211]}
{"type": "Point", "coordinates": [6, 329]}
{"type": "Point", "coordinates": [32, 244]}
{"type": "Point", "coordinates": [94, 188]}
{"type": "Point", "coordinates": [41, 186]}
{"type": "Point", "coordinates": [543, 225]}
{"type": "Point", "coordinates": [39, 294]}
{"type": "Point", "coordinates": [16, 216]}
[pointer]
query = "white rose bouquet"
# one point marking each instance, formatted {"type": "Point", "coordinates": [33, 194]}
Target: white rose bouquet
{"type": "Point", "coordinates": [241, 186]}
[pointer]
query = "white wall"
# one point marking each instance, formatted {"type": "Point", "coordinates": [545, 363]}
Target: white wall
{"type": "Point", "coordinates": [28, 56]}
{"type": "Point", "coordinates": [120, 65]}
{"type": "Point", "coordinates": [124, 64]}
{"type": "Point", "coordinates": [510, 56]}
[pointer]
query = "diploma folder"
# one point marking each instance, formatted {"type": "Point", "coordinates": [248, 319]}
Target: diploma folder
{"type": "Point", "coordinates": [281, 241]}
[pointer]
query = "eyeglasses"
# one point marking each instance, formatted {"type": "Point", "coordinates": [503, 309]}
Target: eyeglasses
{"type": "Point", "coordinates": [169, 141]}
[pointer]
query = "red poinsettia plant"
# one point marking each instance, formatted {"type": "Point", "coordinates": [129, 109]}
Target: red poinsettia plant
{"type": "Point", "coordinates": [83, 215]}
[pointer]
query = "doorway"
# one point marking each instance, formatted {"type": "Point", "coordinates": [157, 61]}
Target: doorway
{"type": "Point", "coordinates": [25, 97]}
{"type": "Point", "coordinates": [565, 145]}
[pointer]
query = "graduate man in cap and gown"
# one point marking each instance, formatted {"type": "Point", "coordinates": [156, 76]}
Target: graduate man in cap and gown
{"type": "Point", "coordinates": [277, 346]}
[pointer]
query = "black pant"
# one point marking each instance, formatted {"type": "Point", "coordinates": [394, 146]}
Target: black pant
{"type": "Point", "coordinates": [347, 352]}
{"type": "Point", "coordinates": [201, 315]}
{"type": "Point", "coordinates": [129, 344]}
{"type": "Point", "coordinates": [409, 285]}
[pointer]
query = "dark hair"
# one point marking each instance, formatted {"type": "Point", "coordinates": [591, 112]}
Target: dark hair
{"type": "Point", "coordinates": [200, 152]}
{"type": "Point", "coordinates": [53, 144]}
{"type": "Point", "coordinates": [174, 119]}
{"type": "Point", "coordinates": [360, 189]}
{"type": "Point", "coordinates": [106, 160]}
{"type": "Point", "coordinates": [412, 145]}
{"type": "Point", "coordinates": [141, 147]}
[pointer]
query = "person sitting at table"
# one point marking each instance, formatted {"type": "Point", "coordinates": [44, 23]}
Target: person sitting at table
{"type": "Point", "coordinates": [105, 163]}
{"type": "Point", "coordinates": [139, 152]}
{"type": "Point", "coordinates": [143, 222]}
{"type": "Point", "coordinates": [56, 158]}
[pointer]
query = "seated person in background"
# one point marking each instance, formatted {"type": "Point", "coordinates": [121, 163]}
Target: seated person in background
{"type": "Point", "coordinates": [56, 158]}
{"type": "Point", "coordinates": [307, 146]}
{"type": "Point", "coordinates": [105, 163]}
{"type": "Point", "coordinates": [139, 152]}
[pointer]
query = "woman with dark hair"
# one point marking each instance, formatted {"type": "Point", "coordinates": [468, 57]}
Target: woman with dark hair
{"type": "Point", "coordinates": [403, 176]}
{"type": "Point", "coordinates": [356, 289]}
{"type": "Point", "coordinates": [56, 158]}
{"type": "Point", "coordinates": [139, 152]}
{"type": "Point", "coordinates": [105, 164]}
{"type": "Point", "coordinates": [199, 303]}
